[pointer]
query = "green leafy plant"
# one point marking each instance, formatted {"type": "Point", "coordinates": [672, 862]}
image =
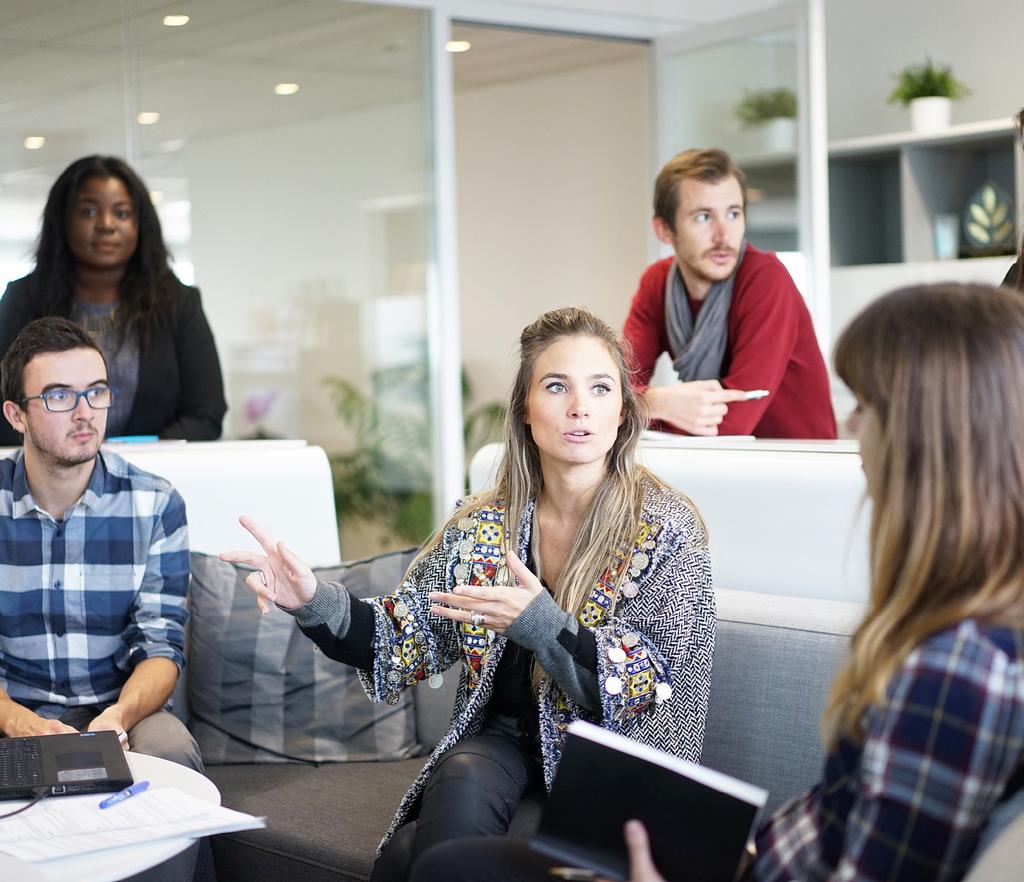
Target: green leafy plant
{"type": "Point", "coordinates": [758, 107]}
{"type": "Point", "coordinates": [384, 476]}
{"type": "Point", "coordinates": [926, 80]}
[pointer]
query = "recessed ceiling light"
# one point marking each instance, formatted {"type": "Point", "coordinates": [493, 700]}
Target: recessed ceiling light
{"type": "Point", "coordinates": [176, 21]}
{"type": "Point", "coordinates": [148, 118]}
{"type": "Point", "coordinates": [458, 45]}
{"type": "Point", "coordinates": [156, 196]}
{"type": "Point", "coordinates": [286, 88]}
{"type": "Point", "coordinates": [34, 142]}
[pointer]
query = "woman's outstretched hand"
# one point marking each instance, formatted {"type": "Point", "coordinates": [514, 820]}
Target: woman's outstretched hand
{"type": "Point", "coordinates": [279, 575]}
{"type": "Point", "coordinates": [499, 607]}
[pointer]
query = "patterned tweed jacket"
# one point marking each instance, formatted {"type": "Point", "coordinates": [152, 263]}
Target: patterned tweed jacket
{"type": "Point", "coordinates": [655, 636]}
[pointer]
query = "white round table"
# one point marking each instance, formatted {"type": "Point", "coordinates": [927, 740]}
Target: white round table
{"type": "Point", "coordinates": [117, 863]}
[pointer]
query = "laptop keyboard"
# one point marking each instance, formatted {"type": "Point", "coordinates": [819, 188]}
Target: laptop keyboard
{"type": "Point", "coordinates": [20, 763]}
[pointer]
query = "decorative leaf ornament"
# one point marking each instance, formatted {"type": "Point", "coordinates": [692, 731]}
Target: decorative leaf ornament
{"type": "Point", "coordinates": [987, 220]}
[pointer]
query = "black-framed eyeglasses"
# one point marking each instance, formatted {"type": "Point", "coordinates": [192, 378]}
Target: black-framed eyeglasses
{"type": "Point", "coordinates": [64, 400]}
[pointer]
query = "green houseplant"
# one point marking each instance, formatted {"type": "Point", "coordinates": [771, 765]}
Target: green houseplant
{"type": "Point", "coordinates": [758, 107]}
{"type": "Point", "coordinates": [929, 90]}
{"type": "Point", "coordinates": [773, 111]}
{"type": "Point", "coordinates": [383, 478]}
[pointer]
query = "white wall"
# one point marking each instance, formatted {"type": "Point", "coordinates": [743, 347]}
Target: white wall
{"type": "Point", "coordinates": [291, 252]}
{"type": "Point", "coordinates": [553, 206]}
{"type": "Point", "coordinates": [870, 40]}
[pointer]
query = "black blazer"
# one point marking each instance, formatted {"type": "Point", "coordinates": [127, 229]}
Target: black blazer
{"type": "Point", "coordinates": [1011, 277]}
{"type": "Point", "coordinates": [180, 392]}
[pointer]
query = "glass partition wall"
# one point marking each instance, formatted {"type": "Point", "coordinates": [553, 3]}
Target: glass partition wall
{"type": "Point", "coordinates": [289, 150]}
{"type": "Point", "coordinates": [755, 85]}
{"type": "Point", "coordinates": [741, 95]}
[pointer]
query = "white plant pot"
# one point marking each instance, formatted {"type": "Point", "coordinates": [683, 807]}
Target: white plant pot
{"type": "Point", "coordinates": [779, 135]}
{"type": "Point", "coordinates": [930, 114]}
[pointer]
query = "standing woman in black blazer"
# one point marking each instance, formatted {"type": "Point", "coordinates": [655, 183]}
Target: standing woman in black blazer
{"type": "Point", "coordinates": [101, 261]}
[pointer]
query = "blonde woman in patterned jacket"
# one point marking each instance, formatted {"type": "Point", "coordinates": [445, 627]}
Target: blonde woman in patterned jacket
{"type": "Point", "coordinates": [578, 587]}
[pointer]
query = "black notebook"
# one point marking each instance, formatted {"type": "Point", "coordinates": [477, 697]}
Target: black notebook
{"type": "Point", "coordinates": [699, 820]}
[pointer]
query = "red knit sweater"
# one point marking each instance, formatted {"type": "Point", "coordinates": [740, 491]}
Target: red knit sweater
{"type": "Point", "coordinates": [771, 345]}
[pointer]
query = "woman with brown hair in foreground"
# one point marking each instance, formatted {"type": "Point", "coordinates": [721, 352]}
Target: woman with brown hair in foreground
{"type": "Point", "coordinates": [924, 726]}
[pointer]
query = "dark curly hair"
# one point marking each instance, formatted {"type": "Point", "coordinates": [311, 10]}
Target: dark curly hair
{"type": "Point", "coordinates": [144, 291]}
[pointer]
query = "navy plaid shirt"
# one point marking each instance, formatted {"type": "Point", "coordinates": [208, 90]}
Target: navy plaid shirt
{"type": "Point", "coordinates": [85, 599]}
{"type": "Point", "coordinates": [911, 801]}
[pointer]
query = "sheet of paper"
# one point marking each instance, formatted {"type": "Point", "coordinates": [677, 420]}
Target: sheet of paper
{"type": "Point", "coordinates": [61, 827]}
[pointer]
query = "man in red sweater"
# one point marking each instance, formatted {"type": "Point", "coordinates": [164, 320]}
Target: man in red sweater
{"type": "Point", "coordinates": [728, 314]}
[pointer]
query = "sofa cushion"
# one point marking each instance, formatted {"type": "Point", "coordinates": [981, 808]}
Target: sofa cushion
{"type": "Point", "coordinates": [323, 823]}
{"type": "Point", "coordinates": [774, 660]}
{"type": "Point", "coordinates": [260, 691]}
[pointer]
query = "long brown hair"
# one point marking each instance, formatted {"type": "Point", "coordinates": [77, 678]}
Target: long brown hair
{"type": "Point", "coordinates": [613, 519]}
{"type": "Point", "coordinates": [941, 368]}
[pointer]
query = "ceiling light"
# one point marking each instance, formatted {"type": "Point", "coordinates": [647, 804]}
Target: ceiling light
{"type": "Point", "coordinates": [458, 45]}
{"type": "Point", "coordinates": [148, 118]}
{"type": "Point", "coordinates": [286, 88]}
{"type": "Point", "coordinates": [34, 142]}
{"type": "Point", "coordinates": [176, 21]}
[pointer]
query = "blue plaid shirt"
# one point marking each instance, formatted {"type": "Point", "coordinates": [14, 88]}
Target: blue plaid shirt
{"type": "Point", "coordinates": [911, 801]}
{"type": "Point", "coordinates": [85, 599]}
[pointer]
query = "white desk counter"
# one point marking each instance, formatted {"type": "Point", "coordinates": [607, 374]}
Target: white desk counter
{"type": "Point", "coordinates": [284, 485]}
{"type": "Point", "coordinates": [119, 863]}
{"type": "Point", "coordinates": [785, 517]}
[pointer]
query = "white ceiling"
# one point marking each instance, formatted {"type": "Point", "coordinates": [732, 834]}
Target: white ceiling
{"type": "Point", "coordinates": [500, 55]}
{"type": "Point", "coordinates": [644, 17]}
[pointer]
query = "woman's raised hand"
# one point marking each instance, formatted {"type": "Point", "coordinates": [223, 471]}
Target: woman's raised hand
{"type": "Point", "coordinates": [280, 576]}
{"type": "Point", "coordinates": [493, 608]}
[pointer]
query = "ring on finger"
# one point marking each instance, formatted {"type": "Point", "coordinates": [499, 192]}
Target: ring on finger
{"type": "Point", "coordinates": [477, 619]}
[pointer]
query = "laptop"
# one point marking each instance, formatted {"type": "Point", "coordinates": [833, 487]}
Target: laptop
{"type": "Point", "coordinates": [62, 765]}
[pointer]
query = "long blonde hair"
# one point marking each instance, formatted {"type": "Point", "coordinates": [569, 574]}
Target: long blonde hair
{"type": "Point", "coordinates": [942, 369]}
{"type": "Point", "coordinates": [613, 519]}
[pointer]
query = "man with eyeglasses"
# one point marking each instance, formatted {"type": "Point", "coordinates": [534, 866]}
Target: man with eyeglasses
{"type": "Point", "coordinates": [93, 559]}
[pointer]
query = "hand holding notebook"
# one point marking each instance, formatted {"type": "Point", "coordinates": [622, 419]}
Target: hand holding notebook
{"type": "Point", "coordinates": [698, 820]}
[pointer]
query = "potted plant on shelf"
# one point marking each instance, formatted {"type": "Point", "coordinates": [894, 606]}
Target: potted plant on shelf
{"type": "Point", "coordinates": [929, 90]}
{"type": "Point", "coordinates": [774, 112]}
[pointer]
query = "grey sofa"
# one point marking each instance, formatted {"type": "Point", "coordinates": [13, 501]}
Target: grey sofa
{"type": "Point", "coordinates": [774, 659]}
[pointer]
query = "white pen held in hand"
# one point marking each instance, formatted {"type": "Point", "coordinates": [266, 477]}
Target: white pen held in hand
{"type": "Point", "coordinates": [755, 394]}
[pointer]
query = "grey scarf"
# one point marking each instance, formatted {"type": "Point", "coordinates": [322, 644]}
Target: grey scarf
{"type": "Point", "coordinates": [698, 348]}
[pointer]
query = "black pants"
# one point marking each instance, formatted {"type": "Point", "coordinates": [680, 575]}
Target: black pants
{"type": "Point", "coordinates": [483, 860]}
{"type": "Point", "coordinates": [474, 790]}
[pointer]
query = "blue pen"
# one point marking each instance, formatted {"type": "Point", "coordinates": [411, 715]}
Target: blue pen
{"type": "Point", "coordinates": [127, 793]}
